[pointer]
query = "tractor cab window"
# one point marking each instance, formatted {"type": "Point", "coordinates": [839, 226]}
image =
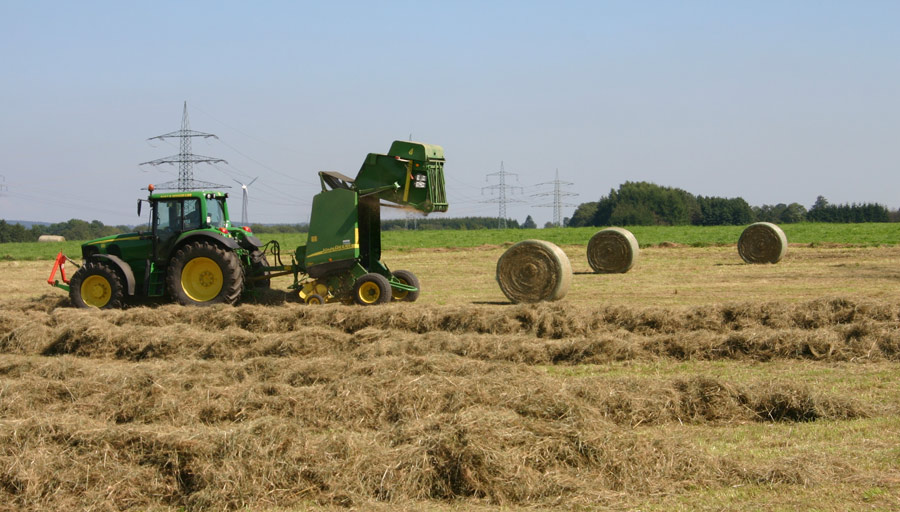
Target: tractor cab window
{"type": "Point", "coordinates": [168, 216]}
{"type": "Point", "coordinates": [177, 215]}
{"type": "Point", "coordinates": [215, 212]}
{"type": "Point", "coordinates": [191, 214]}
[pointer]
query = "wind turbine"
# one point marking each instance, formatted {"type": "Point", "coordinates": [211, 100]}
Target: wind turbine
{"type": "Point", "coordinates": [244, 221]}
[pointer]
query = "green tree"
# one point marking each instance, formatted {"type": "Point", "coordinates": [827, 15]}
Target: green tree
{"type": "Point", "coordinates": [584, 215]}
{"type": "Point", "coordinates": [529, 223]}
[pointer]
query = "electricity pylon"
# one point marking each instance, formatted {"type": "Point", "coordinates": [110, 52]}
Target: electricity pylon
{"type": "Point", "coordinates": [185, 159]}
{"type": "Point", "coordinates": [557, 194]}
{"type": "Point", "coordinates": [501, 188]}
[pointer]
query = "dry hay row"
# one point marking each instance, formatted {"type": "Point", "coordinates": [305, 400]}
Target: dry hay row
{"type": "Point", "coordinates": [544, 320]}
{"type": "Point", "coordinates": [833, 330]}
{"type": "Point", "coordinates": [77, 465]}
{"type": "Point", "coordinates": [382, 392]}
{"type": "Point", "coordinates": [212, 435]}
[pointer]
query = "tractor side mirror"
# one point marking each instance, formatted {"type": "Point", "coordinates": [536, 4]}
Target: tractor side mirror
{"type": "Point", "coordinates": [139, 207]}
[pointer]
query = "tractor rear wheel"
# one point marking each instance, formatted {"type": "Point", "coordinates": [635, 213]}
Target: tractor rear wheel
{"type": "Point", "coordinates": [202, 273]}
{"type": "Point", "coordinates": [96, 285]}
{"type": "Point", "coordinates": [372, 289]}
{"type": "Point", "coordinates": [406, 277]}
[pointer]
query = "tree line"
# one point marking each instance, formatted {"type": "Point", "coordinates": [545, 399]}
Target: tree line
{"type": "Point", "coordinates": [648, 204]}
{"type": "Point", "coordinates": [633, 204]}
{"type": "Point", "coordinates": [73, 229]}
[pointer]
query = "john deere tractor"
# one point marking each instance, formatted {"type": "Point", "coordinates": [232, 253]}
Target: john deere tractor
{"type": "Point", "coordinates": [194, 255]}
{"type": "Point", "coordinates": [191, 254]}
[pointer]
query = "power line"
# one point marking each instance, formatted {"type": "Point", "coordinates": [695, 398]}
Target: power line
{"type": "Point", "coordinates": [185, 158]}
{"type": "Point", "coordinates": [501, 187]}
{"type": "Point", "coordinates": [557, 194]}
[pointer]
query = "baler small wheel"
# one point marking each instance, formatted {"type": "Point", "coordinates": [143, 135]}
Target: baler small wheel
{"type": "Point", "coordinates": [406, 277]}
{"type": "Point", "coordinates": [315, 300]}
{"type": "Point", "coordinates": [202, 274]}
{"type": "Point", "coordinates": [372, 289]}
{"type": "Point", "coordinates": [96, 285]}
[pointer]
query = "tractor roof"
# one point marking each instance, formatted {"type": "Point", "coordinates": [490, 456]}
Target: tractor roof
{"type": "Point", "coordinates": [200, 194]}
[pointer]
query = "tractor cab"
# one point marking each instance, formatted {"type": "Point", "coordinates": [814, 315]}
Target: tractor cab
{"type": "Point", "coordinates": [175, 213]}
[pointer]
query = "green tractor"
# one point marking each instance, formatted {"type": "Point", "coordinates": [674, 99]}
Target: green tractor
{"type": "Point", "coordinates": [192, 253]}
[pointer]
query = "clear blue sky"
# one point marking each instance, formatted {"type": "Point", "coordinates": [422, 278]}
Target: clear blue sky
{"type": "Point", "coordinates": [772, 101]}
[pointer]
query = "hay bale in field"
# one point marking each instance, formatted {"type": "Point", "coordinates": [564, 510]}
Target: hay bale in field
{"type": "Point", "coordinates": [612, 251]}
{"type": "Point", "coordinates": [51, 238]}
{"type": "Point", "coordinates": [762, 242]}
{"type": "Point", "coordinates": [534, 271]}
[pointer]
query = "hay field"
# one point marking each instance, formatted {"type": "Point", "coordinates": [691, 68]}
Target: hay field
{"type": "Point", "coordinates": [693, 382]}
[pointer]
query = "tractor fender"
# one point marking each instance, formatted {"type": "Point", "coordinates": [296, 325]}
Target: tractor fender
{"type": "Point", "coordinates": [123, 267]}
{"type": "Point", "coordinates": [255, 242]}
{"type": "Point", "coordinates": [216, 237]}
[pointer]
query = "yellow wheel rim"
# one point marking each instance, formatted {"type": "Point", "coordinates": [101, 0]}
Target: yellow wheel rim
{"type": "Point", "coordinates": [202, 279]}
{"type": "Point", "coordinates": [369, 292]}
{"type": "Point", "coordinates": [314, 300]}
{"type": "Point", "coordinates": [96, 291]}
{"type": "Point", "coordinates": [397, 293]}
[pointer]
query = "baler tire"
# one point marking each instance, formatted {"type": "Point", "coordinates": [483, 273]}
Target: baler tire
{"type": "Point", "coordinates": [214, 275]}
{"type": "Point", "coordinates": [406, 277]}
{"type": "Point", "coordinates": [96, 285]}
{"type": "Point", "coordinates": [315, 300]}
{"type": "Point", "coordinates": [372, 289]}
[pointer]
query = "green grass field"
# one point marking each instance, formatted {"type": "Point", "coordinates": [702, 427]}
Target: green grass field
{"type": "Point", "coordinates": [856, 235]}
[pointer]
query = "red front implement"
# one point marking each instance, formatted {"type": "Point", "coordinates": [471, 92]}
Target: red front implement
{"type": "Point", "coordinates": [60, 264]}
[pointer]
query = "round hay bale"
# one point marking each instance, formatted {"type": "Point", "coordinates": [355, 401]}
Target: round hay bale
{"type": "Point", "coordinates": [762, 242]}
{"type": "Point", "coordinates": [534, 271]}
{"type": "Point", "coordinates": [612, 250]}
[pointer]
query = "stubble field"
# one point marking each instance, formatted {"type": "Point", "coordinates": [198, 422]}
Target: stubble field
{"type": "Point", "coordinates": [692, 382]}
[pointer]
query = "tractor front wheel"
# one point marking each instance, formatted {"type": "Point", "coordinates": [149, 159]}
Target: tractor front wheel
{"type": "Point", "coordinates": [96, 285]}
{"type": "Point", "coordinates": [202, 274]}
{"type": "Point", "coordinates": [408, 278]}
{"type": "Point", "coordinates": [372, 289]}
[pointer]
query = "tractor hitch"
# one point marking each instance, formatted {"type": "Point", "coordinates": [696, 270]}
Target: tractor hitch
{"type": "Point", "coordinates": [60, 264]}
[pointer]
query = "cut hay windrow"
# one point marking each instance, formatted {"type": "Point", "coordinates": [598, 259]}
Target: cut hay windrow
{"type": "Point", "coordinates": [612, 250]}
{"type": "Point", "coordinates": [828, 330]}
{"type": "Point", "coordinates": [534, 271]}
{"type": "Point", "coordinates": [345, 431]}
{"type": "Point", "coordinates": [762, 242]}
{"type": "Point", "coordinates": [413, 406]}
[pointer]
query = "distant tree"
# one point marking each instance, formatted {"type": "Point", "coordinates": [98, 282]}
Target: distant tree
{"type": "Point", "coordinates": [583, 215]}
{"type": "Point", "coordinates": [642, 203]}
{"type": "Point", "coordinates": [718, 211]}
{"type": "Point", "coordinates": [529, 223]}
{"type": "Point", "coordinates": [820, 203]}
{"type": "Point", "coordinates": [795, 212]}
{"type": "Point", "coordinates": [549, 224]}
{"type": "Point", "coordinates": [822, 211]}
